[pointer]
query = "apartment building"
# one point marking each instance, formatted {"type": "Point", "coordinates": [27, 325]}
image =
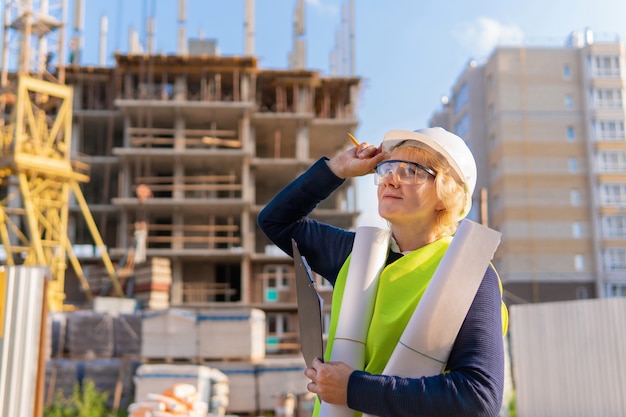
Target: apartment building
{"type": "Point", "coordinates": [546, 125]}
{"type": "Point", "coordinates": [211, 139]}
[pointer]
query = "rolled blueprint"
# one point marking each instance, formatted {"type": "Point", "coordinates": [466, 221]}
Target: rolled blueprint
{"type": "Point", "coordinates": [369, 253]}
{"type": "Point", "coordinates": [427, 340]}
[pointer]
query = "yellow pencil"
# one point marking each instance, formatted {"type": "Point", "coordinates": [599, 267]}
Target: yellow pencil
{"type": "Point", "coordinates": [353, 139]}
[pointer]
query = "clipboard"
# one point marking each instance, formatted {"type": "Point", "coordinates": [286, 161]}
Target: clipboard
{"type": "Point", "coordinates": [309, 309]}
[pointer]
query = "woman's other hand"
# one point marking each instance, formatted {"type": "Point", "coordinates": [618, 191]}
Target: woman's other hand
{"type": "Point", "coordinates": [329, 380]}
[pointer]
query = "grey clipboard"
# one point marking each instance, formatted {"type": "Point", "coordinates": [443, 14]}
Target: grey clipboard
{"type": "Point", "coordinates": [309, 309]}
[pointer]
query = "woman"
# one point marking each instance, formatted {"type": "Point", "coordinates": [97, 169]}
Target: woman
{"type": "Point", "coordinates": [425, 181]}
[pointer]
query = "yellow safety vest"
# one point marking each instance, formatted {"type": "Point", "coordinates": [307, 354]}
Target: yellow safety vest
{"type": "Point", "coordinates": [400, 288]}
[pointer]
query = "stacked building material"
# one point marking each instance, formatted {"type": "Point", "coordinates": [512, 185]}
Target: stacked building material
{"type": "Point", "coordinates": [114, 377]}
{"type": "Point", "coordinates": [89, 335]}
{"type": "Point", "coordinates": [211, 385]}
{"type": "Point", "coordinates": [305, 402]}
{"type": "Point", "coordinates": [220, 392]}
{"type": "Point", "coordinates": [61, 376]}
{"type": "Point", "coordinates": [279, 376]}
{"type": "Point", "coordinates": [152, 280]}
{"type": "Point", "coordinates": [54, 344]}
{"type": "Point", "coordinates": [180, 400]}
{"type": "Point", "coordinates": [259, 387]}
{"type": "Point", "coordinates": [242, 383]}
{"type": "Point", "coordinates": [127, 335]}
{"type": "Point", "coordinates": [169, 335]}
{"type": "Point", "coordinates": [111, 376]}
{"type": "Point", "coordinates": [114, 305]}
{"type": "Point", "coordinates": [231, 334]}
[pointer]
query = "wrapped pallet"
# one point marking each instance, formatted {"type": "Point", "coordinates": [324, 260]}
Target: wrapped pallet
{"type": "Point", "coordinates": [55, 335]}
{"type": "Point", "coordinates": [114, 306]}
{"type": "Point", "coordinates": [113, 376]}
{"type": "Point", "coordinates": [169, 334]}
{"type": "Point", "coordinates": [61, 376]}
{"type": "Point", "coordinates": [220, 393]}
{"type": "Point", "coordinates": [180, 400]}
{"type": "Point", "coordinates": [242, 385]}
{"type": "Point", "coordinates": [278, 376]}
{"type": "Point", "coordinates": [89, 335]}
{"type": "Point", "coordinates": [231, 333]}
{"type": "Point", "coordinates": [127, 335]}
{"type": "Point", "coordinates": [156, 378]}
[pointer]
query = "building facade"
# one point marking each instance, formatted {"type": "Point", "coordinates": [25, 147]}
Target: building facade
{"type": "Point", "coordinates": [210, 140]}
{"type": "Point", "coordinates": [546, 125]}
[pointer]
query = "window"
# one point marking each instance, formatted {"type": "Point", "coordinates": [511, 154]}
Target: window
{"type": "Point", "coordinates": [276, 327]}
{"type": "Point", "coordinates": [494, 172]}
{"type": "Point", "coordinates": [614, 227]}
{"type": "Point", "coordinates": [321, 283]}
{"type": "Point", "coordinates": [611, 161]}
{"type": "Point", "coordinates": [569, 102]}
{"type": "Point", "coordinates": [567, 72]}
{"type": "Point", "coordinates": [615, 289]}
{"type": "Point", "coordinates": [612, 130]}
{"type": "Point", "coordinates": [570, 134]}
{"type": "Point", "coordinates": [606, 97]}
{"type": "Point", "coordinates": [582, 293]}
{"type": "Point", "coordinates": [574, 197]}
{"type": "Point", "coordinates": [613, 195]}
{"type": "Point", "coordinates": [579, 263]}
{"type": "Point", "coordinates": [277, 323]}
{"type": "Point", "coordinates": [576, 230]}
{"type": "Point", "coordinates": [276, 279]}
{"type": "Point", "coordinates": [614, 259]}
{"type": "Point", "coordinates": [605, 66]}
{"type": "Point", "coordinates": [495, 203]}
{"type": "Point", "coordinates": [572, 164]}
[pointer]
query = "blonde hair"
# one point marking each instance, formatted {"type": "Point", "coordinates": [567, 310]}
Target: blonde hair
{"type": "Point", "coordinates": [449, 191]}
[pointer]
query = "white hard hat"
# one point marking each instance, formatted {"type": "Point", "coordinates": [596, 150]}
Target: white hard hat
{"type": "Point", "coordinates": [444, 144]}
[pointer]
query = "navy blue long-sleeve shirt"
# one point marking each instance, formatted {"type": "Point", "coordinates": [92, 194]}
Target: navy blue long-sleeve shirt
{"type": "Point", "coordinates": [473, 382]}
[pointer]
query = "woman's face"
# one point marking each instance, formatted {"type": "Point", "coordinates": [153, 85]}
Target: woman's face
{"type": "Point", "coordinates": [406, 204]}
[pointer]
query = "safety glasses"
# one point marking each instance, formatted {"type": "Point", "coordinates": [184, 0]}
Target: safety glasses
{"type": "Point", "coordinates": [404, 172]}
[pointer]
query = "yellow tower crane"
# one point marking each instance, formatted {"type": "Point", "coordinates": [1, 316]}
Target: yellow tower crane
{"type": "Point", "coordinates": [38, 179]}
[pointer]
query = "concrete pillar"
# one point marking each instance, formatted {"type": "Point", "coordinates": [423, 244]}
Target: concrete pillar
{"type": "Point", "coordinates": [176, 291]}
{"type": "Point", "coordinates": [302, 143]}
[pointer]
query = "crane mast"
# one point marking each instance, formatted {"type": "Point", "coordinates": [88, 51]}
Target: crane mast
{"type": "Point", "coordinates": [38, 178]}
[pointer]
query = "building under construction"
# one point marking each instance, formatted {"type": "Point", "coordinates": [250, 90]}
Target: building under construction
{"type": "Point", "coordinates": [184, 150]}
{"type": "Point", "coordinates": [212, 139]}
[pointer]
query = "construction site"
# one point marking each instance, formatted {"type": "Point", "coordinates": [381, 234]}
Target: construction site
{"type": "Point", "coordinates": [130, 250]}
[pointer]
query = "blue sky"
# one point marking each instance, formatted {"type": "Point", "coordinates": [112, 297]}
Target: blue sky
{"type": "Point", "coordinates": [408, 52]}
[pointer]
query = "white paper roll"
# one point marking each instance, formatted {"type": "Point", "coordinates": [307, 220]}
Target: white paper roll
{"type": "Point", "coordinates": [427, 340]}
{"type": "Point", "coordinates": [369, 254]}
